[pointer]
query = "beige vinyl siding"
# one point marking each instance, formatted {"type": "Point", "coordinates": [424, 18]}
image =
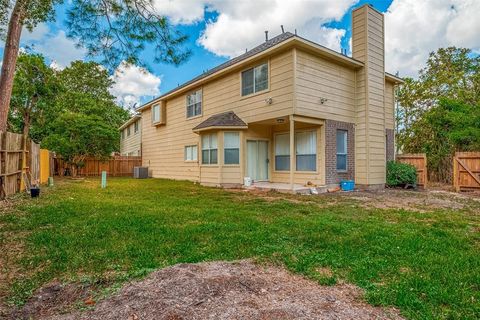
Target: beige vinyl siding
{"type": "Point", "coordinates": [319, 78]}
{"type": "Point", "coordinates": [368, 46]}
{"type": "Point", "coordinates": [131, 145]}
{"type": "Point", "coordinates": [389, 105]}
{"type": "Point", "coordinates": [164, 145]}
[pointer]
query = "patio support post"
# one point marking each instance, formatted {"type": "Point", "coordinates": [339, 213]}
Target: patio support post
{"type": "Point", "coordinates": [292, 151]}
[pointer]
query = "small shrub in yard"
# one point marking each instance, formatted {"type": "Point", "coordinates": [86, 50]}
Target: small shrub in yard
{"type": "Point", "coordinates": [400, 174]}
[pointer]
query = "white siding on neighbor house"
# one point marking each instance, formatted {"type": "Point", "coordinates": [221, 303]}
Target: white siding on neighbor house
{"type": "Point", "coordinates": [131, 145]}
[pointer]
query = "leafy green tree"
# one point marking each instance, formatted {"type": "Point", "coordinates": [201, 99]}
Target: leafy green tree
{"type": "Point", "coordinates": [33, 97]}
{"type": "Point", "coordinates": [88, 122]}
{"type": "Point", "coordinates": [114, 30]}
{"type": "Point", "coordinates": [85, 90]}
{"type": "Point", "coordinates": [76, 136]}
{"type": "Point", "coordinates": [438, 113]}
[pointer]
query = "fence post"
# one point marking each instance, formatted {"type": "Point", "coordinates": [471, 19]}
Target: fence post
{"type": "Point", "coordinates": [425, 171]}
{"type": "Point", "coordinates": [455, 173]}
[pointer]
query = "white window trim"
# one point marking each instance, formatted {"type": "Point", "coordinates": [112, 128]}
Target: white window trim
{"type": "Point", "coordinates": [254, 93]}
{"type": "Point", "coordinates": [275, 152]}
{"type": "Point", "coordinates": [136, 126]}
{"type": "Point", "coordinates": [345, 137]}
{"type": "Point", "coordinates": [315, 132]}
{"type": "Point", "coordinates": [195, 154]}
{"type": "Point", "coordinates": [187, 105]}
{"type": "Point", "coordinates": [210, 135]}
{"type": "Point", "coordinates": [153, 113]}
{"type": "Point", "coordinates": [224, 148]}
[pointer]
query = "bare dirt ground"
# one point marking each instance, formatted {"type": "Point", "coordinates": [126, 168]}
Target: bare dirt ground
{"type": "Point", "coordinates": [217, 290]}
{"type": "Point", "coordinates": [434, 198]}
{"type": "Point", "coordinates": [420, 201]}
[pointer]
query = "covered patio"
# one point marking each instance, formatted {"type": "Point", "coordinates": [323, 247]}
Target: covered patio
{"type": "Point", "coordinates": [269, 145]}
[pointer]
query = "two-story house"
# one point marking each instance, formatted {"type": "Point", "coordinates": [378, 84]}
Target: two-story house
{"type": "Point", "coordinates": [131, 137]}
{"type": "Point", "coordinates": [288, 111]}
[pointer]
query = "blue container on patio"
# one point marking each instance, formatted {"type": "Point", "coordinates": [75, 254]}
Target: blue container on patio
{"type": "Point", "coordinates": [347, 185]}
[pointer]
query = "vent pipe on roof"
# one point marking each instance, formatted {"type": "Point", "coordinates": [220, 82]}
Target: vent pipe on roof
{"type": "Point", "coordinates": [281, 26]}
{"type": "Point", "coordinates": [295, 31]}
{"type": "Point", "coordinates": [266, 35]}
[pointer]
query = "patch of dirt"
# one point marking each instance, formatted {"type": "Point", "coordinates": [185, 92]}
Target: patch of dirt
{"type": "Point", "coordinates": [420, 201]}
{"type": "Point", "coordinates": [223, 290]}
{"type": "Point", "coordinates": [54, 298]}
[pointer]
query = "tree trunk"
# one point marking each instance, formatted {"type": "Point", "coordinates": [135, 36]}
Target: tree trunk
{"type": "Point", "coordinates": [10, 55]}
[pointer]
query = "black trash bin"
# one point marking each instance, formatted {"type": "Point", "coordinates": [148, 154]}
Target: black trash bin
{"type": "Point", "coordinates": [35, 192]}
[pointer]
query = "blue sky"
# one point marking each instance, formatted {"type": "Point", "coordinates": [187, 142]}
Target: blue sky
{"type": "Point", "coordinates": [220, 29]}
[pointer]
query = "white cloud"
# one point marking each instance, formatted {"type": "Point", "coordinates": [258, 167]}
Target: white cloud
{"type": "Point", "coordinates": [60, 49]}
{"type": "Point", "coordinates": [415, 28]}
{"type": "Point", "coordinates": [241, 24]}
{"type": "Point", "coordinates": [180, 11]}
{"type": "Point", "coordinates": [132, 83]}
{"type": "Point", "coordinates": [40, 31]}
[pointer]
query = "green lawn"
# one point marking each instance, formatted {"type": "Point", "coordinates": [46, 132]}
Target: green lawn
{"type": "Point", "coordinates": [426, 264]}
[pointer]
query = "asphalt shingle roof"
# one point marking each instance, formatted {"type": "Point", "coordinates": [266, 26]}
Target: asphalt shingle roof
{"type": "Point", "coordinates": [226, 119]}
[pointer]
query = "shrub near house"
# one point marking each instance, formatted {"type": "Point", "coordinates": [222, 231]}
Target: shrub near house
{"type": "Point", "coordinates": [400, 174]}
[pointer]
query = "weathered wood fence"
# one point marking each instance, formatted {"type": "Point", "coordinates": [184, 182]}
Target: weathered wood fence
{"type": "Point", "coordinates": [419, 161]}
{"type": "Point", "coordinates": [14, 174]}
{"type": "Point", "coordinates": [117, 166]}
{"type": "Point", "coordinates": [466, 171]}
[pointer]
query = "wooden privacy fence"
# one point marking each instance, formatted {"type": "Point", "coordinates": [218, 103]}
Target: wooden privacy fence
{"type": "Point", "coordinates": [419, 161]}
{"type": "Point", "coordinates": [117, 166]}
{"type": "Point", "coordinates": [14, 174]}
{"type": "Point", "coordinates": [466, 171]}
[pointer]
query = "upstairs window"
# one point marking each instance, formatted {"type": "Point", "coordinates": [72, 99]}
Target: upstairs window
{"type": "Point", "coordinates": [135, 126]}
{"type": "Point", "coordinates": [231, 147]}
{"type": "Point", "coordinates": [128, 131]}
{"type": "Point", "coordinates": [342, 150]}
{"type": "Point", "coordinates": [209, 149]}
{"type": "Point", "coordinates": [123, 134]}
{"type": "Point", "coordinates": [255, 79]}
{"type": "Point", "coordinates": [156, 114]}
{"type": "Point", "coordinates": [194, 104]}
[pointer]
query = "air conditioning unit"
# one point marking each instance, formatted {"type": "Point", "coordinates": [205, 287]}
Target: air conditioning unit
{"type": "Point", "coordinates": [140, 172]}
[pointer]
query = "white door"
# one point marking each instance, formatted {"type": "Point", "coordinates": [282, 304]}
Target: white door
{"type": "Point", "coordinates": [257, 160]}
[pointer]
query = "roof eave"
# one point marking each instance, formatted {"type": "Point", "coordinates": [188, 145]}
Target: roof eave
{"type": "Point", "coordinates": [393, 78]}
{"type": "Point", "coordinates": [220, 128]}
{"type": "Point", "coordinates": [129, 122]}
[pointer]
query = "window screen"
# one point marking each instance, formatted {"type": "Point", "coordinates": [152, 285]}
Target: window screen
{"type": "Point", "coordinates": [231, 147]}
{"type": "Point", "coordinates": [282, 152]}
{"type": "Point", "coordinates": [306, 150]}
{"type": "Point", "coordinates": [342, 150]}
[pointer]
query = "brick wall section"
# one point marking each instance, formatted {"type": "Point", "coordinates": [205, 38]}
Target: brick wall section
{"type": "Point", "coordinates": [390, 134]}
{"type": "Point", "coordinates": [331, 174]}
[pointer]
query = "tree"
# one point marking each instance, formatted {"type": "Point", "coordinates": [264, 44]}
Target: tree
{"type": "Point", "coordinates": [87, 118]}
{"type": "Point", "coordinates": [76, 136]}
{"type": "Point", "coordinates": [85, 90]}
{"type": "Point", "coordinates": [438, 113]}
{"type": "Point", "coordinates": [115, 30]}
{"type": "Point", "coordinates": [34, 91]}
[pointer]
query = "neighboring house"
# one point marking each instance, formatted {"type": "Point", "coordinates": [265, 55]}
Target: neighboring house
{"type": "Point", "coordinates": [131, 137]}
{"type": "Point", "coordinates": [288, 111]}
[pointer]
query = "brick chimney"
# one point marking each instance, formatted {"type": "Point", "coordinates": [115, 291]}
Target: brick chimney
{"type": "Point", "coordinates": [368, 46]}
